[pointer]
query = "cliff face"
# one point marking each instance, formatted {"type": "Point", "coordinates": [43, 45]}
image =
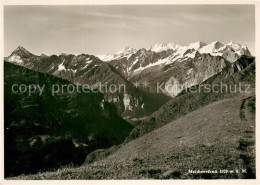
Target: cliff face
{"type": "Point", "coordinates": [171, 79]}
{"type": "Point", "coordinates": [195, 72]}
{"type": "Point", "coordinates": [241, 64]}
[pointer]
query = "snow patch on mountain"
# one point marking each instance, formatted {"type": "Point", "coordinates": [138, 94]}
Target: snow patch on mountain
{"type": "Point", "coordinates": [213, 48]}
{"type": "Point", "coordinates": [61, 67]}
{"type": "Point", "coordinates": [106, 58]}
{"type": "Point", "coordinates": [51, 68]}
{"type": "Point", "coordinates": [126, 52]}
{"type": "Point", "coordinates": [235, 46]}
{"type": "Point", "coordinates": [163, 47]}
{"type": "Point", "coordinates": [159, 62]}
{"type": "Point", "coordinates": [15, 59]}
{"type": "Point", "coordinates": [74, 70]}
{"type": "Point", "coordinates": [239, 49]}
{"type": "Point", "coordinates": [127, 102]}
{"type": "Point", "coordinates": [175, 53]}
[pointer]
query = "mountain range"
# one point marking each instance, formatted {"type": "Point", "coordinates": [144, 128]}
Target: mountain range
{"type": "Point", "coordinates": [164, 65]}
{"type": "Point", "coordinates": [158, 81]}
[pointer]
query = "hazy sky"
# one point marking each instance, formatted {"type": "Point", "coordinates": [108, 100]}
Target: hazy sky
{"type": "Point", "coordinates": [108, 29]}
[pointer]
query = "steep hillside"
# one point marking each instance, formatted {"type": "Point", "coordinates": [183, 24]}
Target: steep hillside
{"type": "Point", "coordinates": [43, 131]}
{"type": "Point", "coordinates": [219, 136]}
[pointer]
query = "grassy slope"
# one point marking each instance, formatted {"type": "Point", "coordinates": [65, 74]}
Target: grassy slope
{"type": "Point", "coordinates": [217, 136]}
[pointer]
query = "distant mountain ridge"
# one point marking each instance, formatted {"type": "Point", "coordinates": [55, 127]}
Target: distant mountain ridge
{"type": "Point", "coordinates": [88, 69]}
{"type": "Point", "coordinates": [215, 48]}
{"type": "Point", "coordinates": [170, 66]}
{"type": "Point", "coordinates": [174, 65]}
{"type": "Point", "coordinates": [167, 54]}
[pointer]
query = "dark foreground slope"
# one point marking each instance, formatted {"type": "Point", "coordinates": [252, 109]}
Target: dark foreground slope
{"type": "Point", "coordinates": [44, 131]}
{"type": "Point", "coordinates": [216, 137]}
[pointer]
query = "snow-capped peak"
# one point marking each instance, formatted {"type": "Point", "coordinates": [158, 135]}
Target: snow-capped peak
{"type": "Point", "coordinates": [215, 48]}
{"type": "Point", "coordinates": [211, 48]}
{"type": "Point", "coordinates": [197, 45]}
{"type": "Point", "coordinates": [239, 49]}
{"type": "Point", "coordinates": [18, 55]}
{"type": "Point", "coordinates": [164, 47]}
{"type": "Point", "coordinates": [127, 50]}
{"type": "Point", "coordinates": [234, 45]}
